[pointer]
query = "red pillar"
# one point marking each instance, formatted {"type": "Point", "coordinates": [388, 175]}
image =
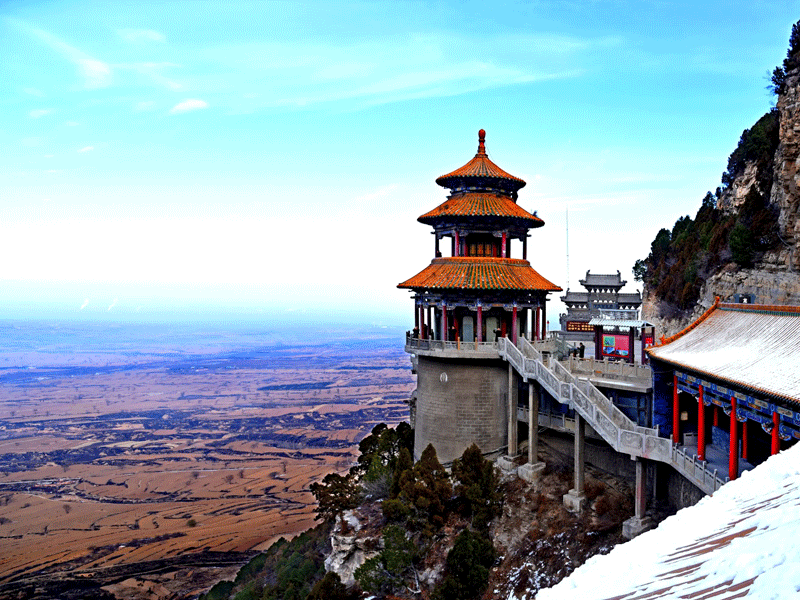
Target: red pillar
{"type": "Point", "coordinates": [503, 246]}
{"type": "Point", "coordinates": [444, 322]}
{"type": "Point", "coordinates": [676, 415]}
{"type": "Point", "coordinates": [514, 325]}
{"type": "Point", "coordinates": [701, 427]}
{"type": "Point", "coordinates": [479, 336]}
{"type": "Point", "coordinates": [544, 322]}
{"type": "Point", "coordinates": [457, 245]}
{"type": "Point", "coordinates": [716, 416]}
{"type": "Point", "coordinates": [744, 439]}
{"type": "Point", "coordinates": [733, 455]}
{"type": "Point", "coordinates": [776, 441]}
{"type": "Point", "coordinates": [525, 248]}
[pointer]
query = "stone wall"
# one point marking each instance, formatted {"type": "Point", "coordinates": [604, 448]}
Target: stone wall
{"type": "Point", "coordinates": [460, 402]}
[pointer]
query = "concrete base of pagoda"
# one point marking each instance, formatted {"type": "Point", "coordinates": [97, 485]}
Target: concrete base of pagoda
{"type": "Point", "coordinates": [531, 472]}
{"type": "Point", "coordinates": [460, 402]}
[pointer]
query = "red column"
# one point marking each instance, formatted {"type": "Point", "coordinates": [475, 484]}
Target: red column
{"type": "Point", "coordinates": [716, 415]}
{"type": "Point", "coordinates": [444, 322]}
{"type": "Point", "coordinates": [525, 248]}
{"type": "Point", "coordinates": [776, 441]}
{"type": "Point", "coordinates": [544, 322]}
{"type": "Point", "coordinates": [701, 427]}
{"type": "Point", "coordinates": [744, 439]}
{"type": "Point", "coordinates": [503, 246]}
{"type": "Point", "coordinates": [676, 415]}
{"type": "Point", "coordinates": [733, 455]}
{"type": "Point", "coordinates": [514, 325]}
{"type": "Point", "coordinates": [479, 336]}
{"type": "Point", "coordinates": [457, 246]}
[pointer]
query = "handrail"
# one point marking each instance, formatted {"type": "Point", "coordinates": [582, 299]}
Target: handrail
{"type": "Point", "coordinates": [600, 412]}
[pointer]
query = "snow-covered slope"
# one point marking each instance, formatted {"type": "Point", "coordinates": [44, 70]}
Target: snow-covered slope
{"type": "Point", "coordinates": [744, 541]}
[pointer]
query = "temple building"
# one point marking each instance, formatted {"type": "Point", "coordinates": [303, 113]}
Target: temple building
{"type": "Point", "coordinates": [473, 293]}
{"type": "Point", "coordinates": [602, 294]}
{"type": "Point", "coordinates": [727, 388]}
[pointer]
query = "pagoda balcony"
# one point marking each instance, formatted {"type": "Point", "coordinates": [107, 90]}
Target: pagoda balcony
{"type": "Point", "coordinates": [457, 349]}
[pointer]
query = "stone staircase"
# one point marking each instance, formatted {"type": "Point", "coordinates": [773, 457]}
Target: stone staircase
{"type": "Point", "coordinates": [601, 414]}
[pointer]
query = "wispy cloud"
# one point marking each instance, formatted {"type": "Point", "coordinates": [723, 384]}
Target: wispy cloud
{"type": "Point", "coordinates": [95, 73]}
{"type": "Point", "coordinates": [33, 92]}
{"type": "Point", "coordinates": [141, 35]}
{"type": "Point", "coordinates": [144, 105]}
{"type": "Point", "coordinates": [85, 304]}
{"type": "Point", "coordinates": [303, 73]}
{"type": "Point", "coordinates": [188, 105]}
{"type": "Point", "coordinates": [112, 305]}
{"type": "Point", "coordinates": [40, 112]}
{"type": "Point", "coordinates": [86, 149]}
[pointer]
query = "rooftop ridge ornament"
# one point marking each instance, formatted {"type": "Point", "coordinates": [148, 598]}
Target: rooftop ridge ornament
{"type": "Point", "coordinates": [480, 173]}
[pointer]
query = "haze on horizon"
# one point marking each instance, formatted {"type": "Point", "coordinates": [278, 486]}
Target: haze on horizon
{"type": "Point", "coordinates": [272, 158]}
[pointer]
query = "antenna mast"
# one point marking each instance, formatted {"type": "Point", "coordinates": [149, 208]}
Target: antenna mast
{"type": "Point", "coordinates": [567, 209]}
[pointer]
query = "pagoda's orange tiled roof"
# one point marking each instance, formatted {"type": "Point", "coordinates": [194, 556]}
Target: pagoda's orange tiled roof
{"type": "Point", "coordinates": [480, 273]}
{"type": "Point", "coordinates": [478, 204]}
{"type": "Point", "coordinates": [480, 167]}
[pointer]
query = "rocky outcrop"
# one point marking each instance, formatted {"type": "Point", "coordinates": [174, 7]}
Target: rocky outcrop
{"type": "Point", "coordinates": [352, 543]}
{"type": "Point", "coordinates": [734, 196]}
{"type": "Point", "coordinates": [785, 193]}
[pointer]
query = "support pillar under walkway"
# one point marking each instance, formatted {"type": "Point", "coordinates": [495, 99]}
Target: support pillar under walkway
{"type": "Point", "coordinates": [575, 499]}
{"type": "Point", "coordinates": [639, 522]}
{"type": "Point", "coordinates": [531, 470]}
{"type": "Point", "coordinates": [507, 462]}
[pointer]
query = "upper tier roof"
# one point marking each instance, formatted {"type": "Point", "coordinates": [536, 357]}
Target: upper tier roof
{"type": "Point", "coordinates": [480, 204]}
{"type": "Point", "coordinates": [480, 273]}
{"type": "Point", "coordinates": [481, 173]}
{"type": "Point", "coordinates": [748, 345]}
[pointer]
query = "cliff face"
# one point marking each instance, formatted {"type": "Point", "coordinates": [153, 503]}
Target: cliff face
{"type": "Point", "coordinates": [775, 276]}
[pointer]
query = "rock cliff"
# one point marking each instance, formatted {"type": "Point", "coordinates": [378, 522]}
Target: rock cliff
{"type": "Point", "coordinates": [775, 276]}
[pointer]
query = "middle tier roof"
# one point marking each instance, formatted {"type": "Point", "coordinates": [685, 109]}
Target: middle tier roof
{"type": "Point", "coordinates": [479, 273]}
{"type": "Point", "coordinates": [480, 204]}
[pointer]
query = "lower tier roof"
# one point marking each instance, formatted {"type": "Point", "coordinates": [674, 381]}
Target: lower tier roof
{"type": "Point", "coordinates": [479, 273]}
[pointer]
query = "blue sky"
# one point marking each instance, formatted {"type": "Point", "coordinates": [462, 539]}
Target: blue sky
{"type": "Point", "coordinates": [272, 157]}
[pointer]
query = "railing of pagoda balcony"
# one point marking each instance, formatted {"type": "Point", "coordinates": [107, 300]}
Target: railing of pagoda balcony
{"type": "Point", "coordinates": [458, 345]}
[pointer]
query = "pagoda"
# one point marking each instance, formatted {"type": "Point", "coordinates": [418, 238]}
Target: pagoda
{"type": "Point", "coordinates": [464, 302]}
